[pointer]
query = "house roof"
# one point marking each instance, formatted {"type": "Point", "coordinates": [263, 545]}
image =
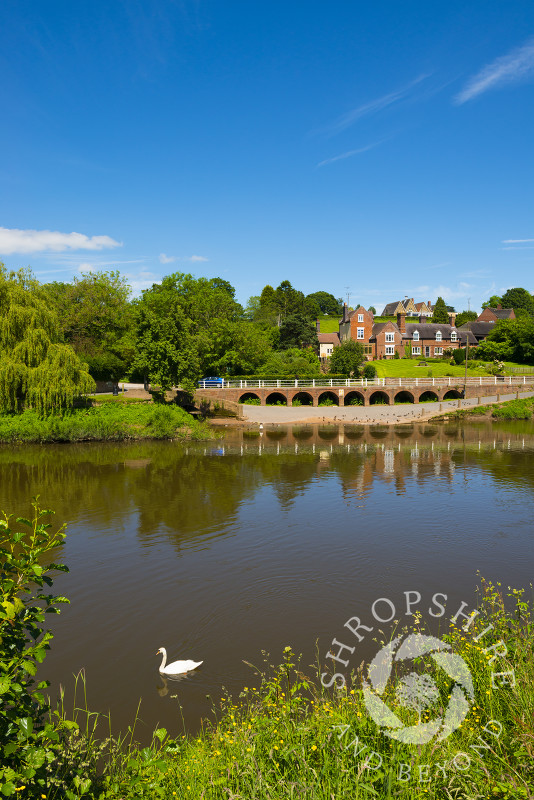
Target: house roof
{"type": "Point", "coordinates": [463, 335]}
{"type": "Point", "coordinates": [420, 306]}
{"type": "Point", "coordinates": [479, 329]}
{"type": "Point", "coordinates": [502, 313]}
{"type": "Point", "coordinates": [391, 308]}
{"type": "Point", "coordinates": [328, 338]}
{"type": "Point", "coordinates": [428, 330]}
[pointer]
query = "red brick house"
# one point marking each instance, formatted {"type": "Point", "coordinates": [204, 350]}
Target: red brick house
{"type": "Point", "coordinates": [495, 314]}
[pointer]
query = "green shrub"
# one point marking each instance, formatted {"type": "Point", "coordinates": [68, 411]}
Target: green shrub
{"type": "Point", "coordinates": [369, 371]}
{"type": "Point", "coordinates": [327, 402]}
{"type": "Point", "coordinates": [356, 401]}
{"type": "Point", "coordinates": [252, 401]}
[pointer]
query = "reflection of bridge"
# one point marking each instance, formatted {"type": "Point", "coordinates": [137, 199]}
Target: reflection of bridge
{"type": "Point", "coordinates": [350, 392]}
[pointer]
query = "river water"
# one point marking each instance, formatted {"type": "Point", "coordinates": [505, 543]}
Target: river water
{"type": "Point", "coordinates": [220, 550]}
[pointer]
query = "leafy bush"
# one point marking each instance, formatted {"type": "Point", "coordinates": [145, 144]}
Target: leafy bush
{"type": "Point", "coordinates": [252, 401]}
{"type": "Point", "coordinates": [327, 402]}
{"type": "Point", "coordinates": [356, 401]}
{"type": "Point", "coordinates": [369, 371]}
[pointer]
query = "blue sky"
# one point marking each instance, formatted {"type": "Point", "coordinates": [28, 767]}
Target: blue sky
{"type": "Point", "coordinates": [385, 147]}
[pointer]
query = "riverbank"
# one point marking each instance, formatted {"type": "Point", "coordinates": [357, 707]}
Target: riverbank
{"type": "Point", "coordinates": [369, 415]}
{"type": "Point", "coordinates": [111, 421]}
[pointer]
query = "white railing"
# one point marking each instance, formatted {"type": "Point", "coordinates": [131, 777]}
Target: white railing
{"type": "Point", "coordinates": [312, 383]}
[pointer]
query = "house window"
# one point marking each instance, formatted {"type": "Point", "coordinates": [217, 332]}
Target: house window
{"type": "Point", "coordinates": [390, 349]}
{"type": "Point", "coordinates": [439, 336]}
{"type": "Point", "coordinates": [454, 336]}
{"type": "Point", "coordinates": [438, 351]}
{"type": "Point", "coordinates": [329, 351]}
{"type": "Point", "coordinates": [360, 317]}
{"type": "Point", "coordinates": [368, 349]}
{"type": "Point", "coordinates": [415, 336]}
{"type": "Point", "coordinates": [416, 351]}
{"type": "Point", "coordinates": [360, 333]}
{"type": "Point", "coordinates": [390, 337]}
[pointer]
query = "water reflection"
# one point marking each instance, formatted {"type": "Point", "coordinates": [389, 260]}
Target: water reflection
{"type": "Point", "coordinates": [263, 539]}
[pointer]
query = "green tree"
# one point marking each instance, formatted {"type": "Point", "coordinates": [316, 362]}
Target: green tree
{"type": "Point", "coordinates": [297, 331]}
{"type": "Point", "coordinates": [37, 370]}
{"type": "Point", "coordinates": [510, 340]}
{"type": "Point", "coordinates": [372, 309]}
{"type": "Point", "coordinates": [440, 315]}
{"type": "Point", "coordinates": [327, 302]}
{"type": "Point", "coordinates": [232, 348]}
{"type": "Point", "coordinates": [518, 299]}
{"type": "Point", "coordinates": [166, 350]}
{"type": "Point", "coordinates": [493, 302]}
{"type": "Point", "coordinates": [347, 358]}
{"type": "Point", "coordinates": [292, 363]}
{"type": "Point", "coordinates": [465, 316]}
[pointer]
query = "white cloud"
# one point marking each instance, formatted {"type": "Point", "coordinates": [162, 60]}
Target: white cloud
{"type": "Point", "coordinates": [15, 240]}
{"type": "Point", "coordinates": [516, 241]}
{"type": "Point", "coordinates": [348, 154]}
{"type": "Point", "coordinates": [165, 259]}
{"type": "Point", "coordinates": [197, 258]}
{"type": "Point", "coordinates": [372, 107]}
{"type": "Point", "coordinates": [511, 68]}
{"type": "Point", "coordinates": [86, 267]}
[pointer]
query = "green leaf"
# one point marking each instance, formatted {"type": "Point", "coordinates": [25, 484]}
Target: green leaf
{"type": "Point", "coordinates": [29, 667]}
{"type": "Point", "coordinates": [40, 654]}
{"type": "Point", "coordinates": [35, 757]}
{"type": "Point", "coordinates": [160, 734]}
{"type": "Point", "coordinates": [26, 724]}
{"type": "Point", "coordinates": [37, 569]}
{"type": "Point", "coordinates": [5, 683]}
{"type": "Point", "coordinates": [8, 788]}
{"type": "Point", "coordinates": [10, 748]}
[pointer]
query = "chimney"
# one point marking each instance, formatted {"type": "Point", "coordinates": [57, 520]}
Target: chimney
{"type": "Point", "coordinates": [318, 326]}
{"type": "Point", "coordinates": [401, 322]}
{"type": "Point", "coordinates": [345, 315]}
{"type": "Point", "coordinates": [452, 318]}
{"type": "Point", "coordinates": [422, 318]}
{"type": "Point", "coordinates": [429, 304]}
{"type": "Point", "coordinates": [499, 306]}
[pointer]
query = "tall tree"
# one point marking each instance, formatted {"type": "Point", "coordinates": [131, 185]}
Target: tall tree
{"type": "Point", "coordinates": [493, 302]}
{"type": "Point", "coordinates": [518, 299]}
{"type": "Point", "coordinates": [297, 331]}
{"type": "Point", "coordinates": [440, 315]}
{"type": "Point", "coordinates": [36, 369]}
{"type": "Point", "coordinates": [326, 302]}
{"type": "Point", "coordinates": [465, 316]}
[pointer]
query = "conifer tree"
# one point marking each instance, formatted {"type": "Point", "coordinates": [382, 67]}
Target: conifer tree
{"type": "Point", "coordinates": [36, 369]}
{"type": "Point", "coordinates": [440, 314]}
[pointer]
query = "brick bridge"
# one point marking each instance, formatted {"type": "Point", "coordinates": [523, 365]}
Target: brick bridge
{"type": "Point", "coordinates": [360, 392]}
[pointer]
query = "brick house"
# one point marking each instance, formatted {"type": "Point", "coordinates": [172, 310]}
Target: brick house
{"type": "Point", "coordinates": [408, 307]}
{"type": "Point", "coordinates": [485, 322]}
{"type": "Point", "coordinates": [384, 339]}
{"type": "Point", "coordinates": [495, 314]}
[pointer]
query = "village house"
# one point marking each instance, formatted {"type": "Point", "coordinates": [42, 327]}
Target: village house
{"type": "Point", "coordinates": [408, 307]}
{"type": "Point", "coordinates": [327, 342]}
{"type": "Point", "coordinates": [385, 339]}
{"type": "Point", "coordinates": [485, 322]}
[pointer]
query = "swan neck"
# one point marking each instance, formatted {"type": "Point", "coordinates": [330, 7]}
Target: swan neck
{"type": "Point", "coordinates": [163, 659]}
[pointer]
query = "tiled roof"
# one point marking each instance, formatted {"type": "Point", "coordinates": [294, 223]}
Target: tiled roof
{"type": "Point", "coordinates": [428, 330]}
{"type": "Point", "coordinates": [502, 313]}
{"type": "Point", "coordinates": [465, 334]}
{"type": "Point", "coordinates": [328, 338]}
{"type": "Point", "coordinates": [478, 328]}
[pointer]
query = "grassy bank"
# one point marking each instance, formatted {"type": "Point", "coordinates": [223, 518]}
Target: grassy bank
{"type": "Point", "coordinates": [286, 736]}
{"type": "Point", "coordinates": [110, 421]}
{"type": "Point", "coordinates": [512, 409]}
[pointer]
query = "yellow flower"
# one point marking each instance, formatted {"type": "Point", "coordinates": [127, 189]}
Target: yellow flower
{"type": "Point", "coordinates": [314, 747]}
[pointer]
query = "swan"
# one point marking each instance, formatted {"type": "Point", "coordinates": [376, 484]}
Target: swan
{"type": "Point", "coordinates": [177, 667]}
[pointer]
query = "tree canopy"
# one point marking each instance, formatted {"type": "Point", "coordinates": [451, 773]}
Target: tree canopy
{"type": "Point", "coordinates": [346, 358]}
{"type": "Point", "coordinates": [510, 340]}
{"type": "Point", "coordinates": [327, 303]}
{"type": "Point", "coordinates": [519, 300]}
{"type": "Point", "coordinates": [465, 316]}
{"type": "Point", "coordinates": [440, 315]}
{"type": "Point", "coordinates": [297, 331]}
{"type": "Point", "coordinates": [37, 370]}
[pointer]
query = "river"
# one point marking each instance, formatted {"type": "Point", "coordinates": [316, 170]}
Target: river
{"type": "Point", "coordinates": [221, 550]}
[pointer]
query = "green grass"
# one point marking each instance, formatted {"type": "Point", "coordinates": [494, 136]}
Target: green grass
{"type": "Point", "coordinates": [407, 368]}
{"type": "Point", "coordinates": [511, 409]}
{"type": "Point", "coordinates": [330, 324]}
{"type": "Point", "coordinates": [108, 421]}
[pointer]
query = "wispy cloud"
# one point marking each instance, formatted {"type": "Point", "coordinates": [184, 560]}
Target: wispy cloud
{"type": "Point", "coordinates": [197, 258]}
{"type": "Point", "coordinates": [516, 66]}
{"type": "Point", "coordinates": [14, 240]}
{"type": "Point", "coordinates": [348, 154]}
{"type": "Point", "coordinates": [165, 259]}
{"type": "Point", "coordinates": [516, 241]}
{"type": "Point", "coordinates": [348, 119]}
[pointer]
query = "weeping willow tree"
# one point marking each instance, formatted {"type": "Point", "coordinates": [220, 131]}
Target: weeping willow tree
{"type": "Point", "coordinates": [36, 369]}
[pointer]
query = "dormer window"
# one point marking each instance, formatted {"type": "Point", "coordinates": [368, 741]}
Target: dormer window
{"type": "Point", "coordinates": [439, 336]}
{"type": "Point", "coordinates": [415, 336]}
{"type": "Point", "coordinates": [454, 336]}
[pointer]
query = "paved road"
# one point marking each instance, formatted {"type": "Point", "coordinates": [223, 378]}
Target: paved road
{"type": "Point", "coordinates": [365, 414]}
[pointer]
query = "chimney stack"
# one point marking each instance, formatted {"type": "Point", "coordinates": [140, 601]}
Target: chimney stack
{"type": "Point", "coordinates": [345, 315]}
{"type": "Point", "coordinates": [422, 318]}
{"type": "Point", "coordinates": [499, 305]}
{"type": "Point", "coordinates": [318, 325]}
{"type": "Point", "coordinates": [401, 322]}
{"type": "Point", "coordinates": [429, 304]}
{"type": "Point", "coordinates": [452, 318]}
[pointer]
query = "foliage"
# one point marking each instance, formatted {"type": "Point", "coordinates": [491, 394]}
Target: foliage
{"type": "Point", "coordinates": [440, 315]}
{"type": "Point", "coordinates": [35, 368]}
{"type": "Point", "coordinates": [27, 741]}
{"type": "Point", "coordinates": [105, 366]}
{"type": "Point", "coordinates": [510, 340]}
{"type": "Point", "coordinates": [369, 371]}
{"type": "Point", "coordinates": [117, 420]}
{"type": "Point", "coordinates": [230, 348]}
{"type": "Point", "coordinates": [327, 302]}
{"type": "Point", "coordinates": [297, 331]}
{"type": "Point", "coordinates": [465, 316]}
{"type": "Point", "coordinates": [518, 299]}
{"type": "Point", "coordinates": [251, 401]}
{"type": "Point", "coordinates": [458, 355]}
{"type": "Point", "coordinates": [372, 309]}
{"type": "Point", "coordinates": [493, 302]}
{"type": "Point", "coordinates": [292, 363]}
{"type": "Point", "coordinates": [327, 401]}
{"type": "Point", "coordinates": [346, 358]}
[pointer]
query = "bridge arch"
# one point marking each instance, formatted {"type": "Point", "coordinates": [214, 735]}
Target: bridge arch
{"type": "Point", "coordinates": [428, 397]}
{"type": "Point", "coordinates": [276, 399]}
{"type": "Point", "coordinates": [452, 394]}
{"type": "Point", "coordinates": [304, 398]}
{"type": "Point", "coordinates": [379, 398]}
{"type": "Point", "coordinates": [328, 396]}
{"type": "Point", "coordinates": [404, 397]}
{"type": "Point", "coordinates": [248, 396]}
{"type": "Point", "coordinates": [354, 399]}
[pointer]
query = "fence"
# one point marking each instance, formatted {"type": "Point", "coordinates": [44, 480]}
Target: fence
{"type": "Point", "coordinates": [307, 383]}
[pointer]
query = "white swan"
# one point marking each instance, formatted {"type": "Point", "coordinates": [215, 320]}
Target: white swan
{"type": "Point", "coordinates": [177, 667]}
